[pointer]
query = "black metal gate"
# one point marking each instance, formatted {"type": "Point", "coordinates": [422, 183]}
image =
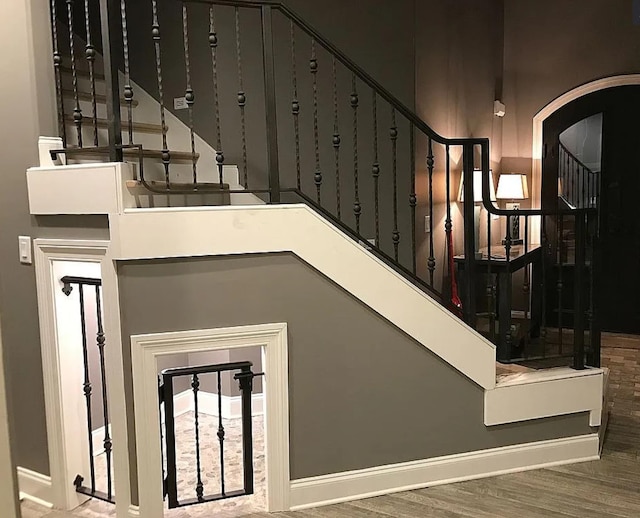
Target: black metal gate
{"type": "Point", "coordinates": [84, 285]}
{"type": "Point", "coordinates": [202, 494]}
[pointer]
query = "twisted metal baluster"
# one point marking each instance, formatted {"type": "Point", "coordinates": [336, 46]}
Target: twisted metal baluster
{"type": "Point", "coordinates": [77, 111]}
{"type": "Point", "coordinates": [221, 435]}
{"type": "Point", "coordinates": [357, 208]}
{"type": "Point", "coordinates": [559, 283]}
{"type": "Point", "coordinates": [375, 169]}
{"type": "Point", "coordinates": [90, 56]}
{"type": "Point", "coordinates": [295, 104]}
{"type": "Point", "coordinates": [100, 342]}
{"type": "Point", "coordinates": [189, 96]}
{"type": "Point", "coordinates": [155, 33]}
{"type": "Point", "coordinates": [431, 262]}
{"type": "Point", "coordinates": [86, 386]}
{"type": "Point", "coordinates": [336, 135]}
{"type": "Point", "coordinates": [393, 134]}
{"type": "Point", "coordinates": [544, 243]}
{"type": "Point", "coordinates": [490, 288]}
{"type": "Point", "coordinates": [213, 45]}
{"type": "Point", "coordinates": [413, 200]}
{"type": "Point", "coordinates": [195, 385]}
{"type": "Point", "coordinates": [57, 63]}
{"type": "Point", "coordinates": [242, 101]}
{"type": "Point", "coordinates": [313, 67]}
{"type": "Point", "coordinates": [128, 89]}
{"type": "Point", "coordinates": [526, 287]}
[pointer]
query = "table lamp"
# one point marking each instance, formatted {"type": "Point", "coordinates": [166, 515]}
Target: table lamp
{"type": "Point", "coordinates": [477, 200]}
{"type": "Point", "coordinates": [513, 187]}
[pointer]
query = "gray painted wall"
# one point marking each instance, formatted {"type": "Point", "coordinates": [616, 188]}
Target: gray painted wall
{"type": "Point", "coordinates": [458, 76]}
{"type": "Point", "coordinates": [362, 393]}
{"type": "Point", "coordinates": [27, 108]}
{"type": "Point", "coordinates": [554, 46]}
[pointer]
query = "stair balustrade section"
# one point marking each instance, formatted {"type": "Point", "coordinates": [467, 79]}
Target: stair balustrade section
{"type": "Point", "coordinates": [304, 123]}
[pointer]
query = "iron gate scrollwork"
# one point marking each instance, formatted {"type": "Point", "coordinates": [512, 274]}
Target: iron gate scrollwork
{"type": "Point", "coordinates": [244, 376]}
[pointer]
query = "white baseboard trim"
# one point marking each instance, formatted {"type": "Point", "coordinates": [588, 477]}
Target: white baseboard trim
{"type": "Point", "coordinates": [134, 511]}
{"type": "Point", "coordinates": [35, 487]}
{"type": "Point", "coordinates": [366, 483]}
{"type": "Point", "coordinates": [208, 404]}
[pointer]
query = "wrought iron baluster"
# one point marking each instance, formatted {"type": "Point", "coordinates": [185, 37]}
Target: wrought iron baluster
{"type": "Point", "coordinates": [77, 111]}
{"type": "Point", "coordinates": [86, 387]}
{"type": "Point", "coordinates": [155, 33]}
{"type": "Point", "coordinates": [90, 56]}
{"type": "Point", "coordinates": [100, 341]}
{"type": "Point", "coordinates": [213, 46]}
{"type": "Point", "coordinates": [336, 134]}
{"type": "Point", "coordinates": [189, 95]}
{"type": "Point", "coordinates": [413, 199]}
{"type": "Point", "coordinates": [57, 63]}
{"type": "Point", "coordinates": [242, 101]}
{"type": "Point", "coordinates": [357, 208]}
{"type": "Point", "coordinates": [313, 68]}
{"type": "Point", "coordinates": [245, 379]}
{"type": "Point", "coordinates": [544, 242]}
{"type": "Point", "coordinates": [195, 386]}
{"type": "Point", "coordinates": [128, 89]}
{"type": "Point", "coordinates": [526, 287]}
{"type": "Point", "coordinates": [295, 103]}
{"type": "Point", "coordinates": [393, 134]}
{"type": "Point", "coordinates": [491, 287]}
{"type": "Point", "coordinates": [448, 226]}
{"type": "Point", "coordinates": [559, 284]}
{"type": "Point", "coordinates": [221, 435]}
{"type": "Point", "coordinates": [431, 262]}
{"type": "Point", "coordinates": [375, 169]}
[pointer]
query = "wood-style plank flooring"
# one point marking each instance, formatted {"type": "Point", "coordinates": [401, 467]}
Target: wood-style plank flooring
{"type": "Point", "coordinates": [606, 488]}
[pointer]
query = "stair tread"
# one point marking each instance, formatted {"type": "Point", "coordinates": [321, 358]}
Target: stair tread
{"type": "Point", "coordinates": [101, 99]}
{"type": "Point", "coordinates": [143, 127]}
{"type": "Point", "coordinates": [176, 156]}
{"type": "Point", "coordinates": [202, 186]}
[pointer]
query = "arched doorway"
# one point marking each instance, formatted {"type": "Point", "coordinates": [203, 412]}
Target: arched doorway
{"type": "Point", "coordinates": [618, 271]}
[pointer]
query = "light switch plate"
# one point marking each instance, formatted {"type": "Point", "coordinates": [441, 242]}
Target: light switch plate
{"type": "Point", "coordinates": [24, 246]}
{"type": "Point", "coordinates": [427, 224]}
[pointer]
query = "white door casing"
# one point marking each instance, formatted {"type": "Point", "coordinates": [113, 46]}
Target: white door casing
{"type": "Point", "coordinates": [145, 349]}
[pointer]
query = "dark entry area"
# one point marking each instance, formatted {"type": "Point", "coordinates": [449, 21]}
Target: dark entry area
{"type": "Point", "coordinates": [618, 264]}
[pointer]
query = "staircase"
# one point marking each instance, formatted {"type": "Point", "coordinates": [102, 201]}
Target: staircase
{"type": "Point", "coordinates": [373, 196]}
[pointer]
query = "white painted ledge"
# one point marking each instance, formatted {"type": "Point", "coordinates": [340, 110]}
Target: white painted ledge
{"type": "Point", "coordinates": [547, 393]}
{"type": "Point", "coordinates": [79, 189]}
{"type": "Point", "coordinates": [382, 480]}
{"type": "Point", "coordinates": [178, 232]}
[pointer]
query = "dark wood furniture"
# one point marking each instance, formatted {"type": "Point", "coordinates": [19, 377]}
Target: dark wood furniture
{"type": "Point", "coordinates": [503, 269]}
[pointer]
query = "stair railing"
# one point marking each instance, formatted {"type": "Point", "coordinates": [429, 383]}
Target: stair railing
{"type": "Point", "coordinates": [315, 128]}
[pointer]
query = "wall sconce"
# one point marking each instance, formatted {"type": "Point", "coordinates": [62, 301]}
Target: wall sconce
{"type": "Point", "coordinates": [477, 200]}
{"type": "Point", "coordinates": [513, 187]}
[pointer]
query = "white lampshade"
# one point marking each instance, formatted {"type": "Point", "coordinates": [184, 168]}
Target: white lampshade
{"type": "Point", "coordinates": [513, 187]}
{"type": "Point", "coordinates": [477, 186]}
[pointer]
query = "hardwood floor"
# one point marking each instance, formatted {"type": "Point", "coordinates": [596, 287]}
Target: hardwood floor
{"type": "Point", "coordinates": [606, 488]}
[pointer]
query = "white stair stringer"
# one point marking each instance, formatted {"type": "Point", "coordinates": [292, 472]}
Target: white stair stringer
{"type": "Point", "coordinates": [178, 232]}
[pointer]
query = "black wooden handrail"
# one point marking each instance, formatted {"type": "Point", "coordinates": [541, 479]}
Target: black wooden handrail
{"type": "Point", "coordinates": [351, 65]}
{"type": "Point", "coordinates": [575, 158]}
